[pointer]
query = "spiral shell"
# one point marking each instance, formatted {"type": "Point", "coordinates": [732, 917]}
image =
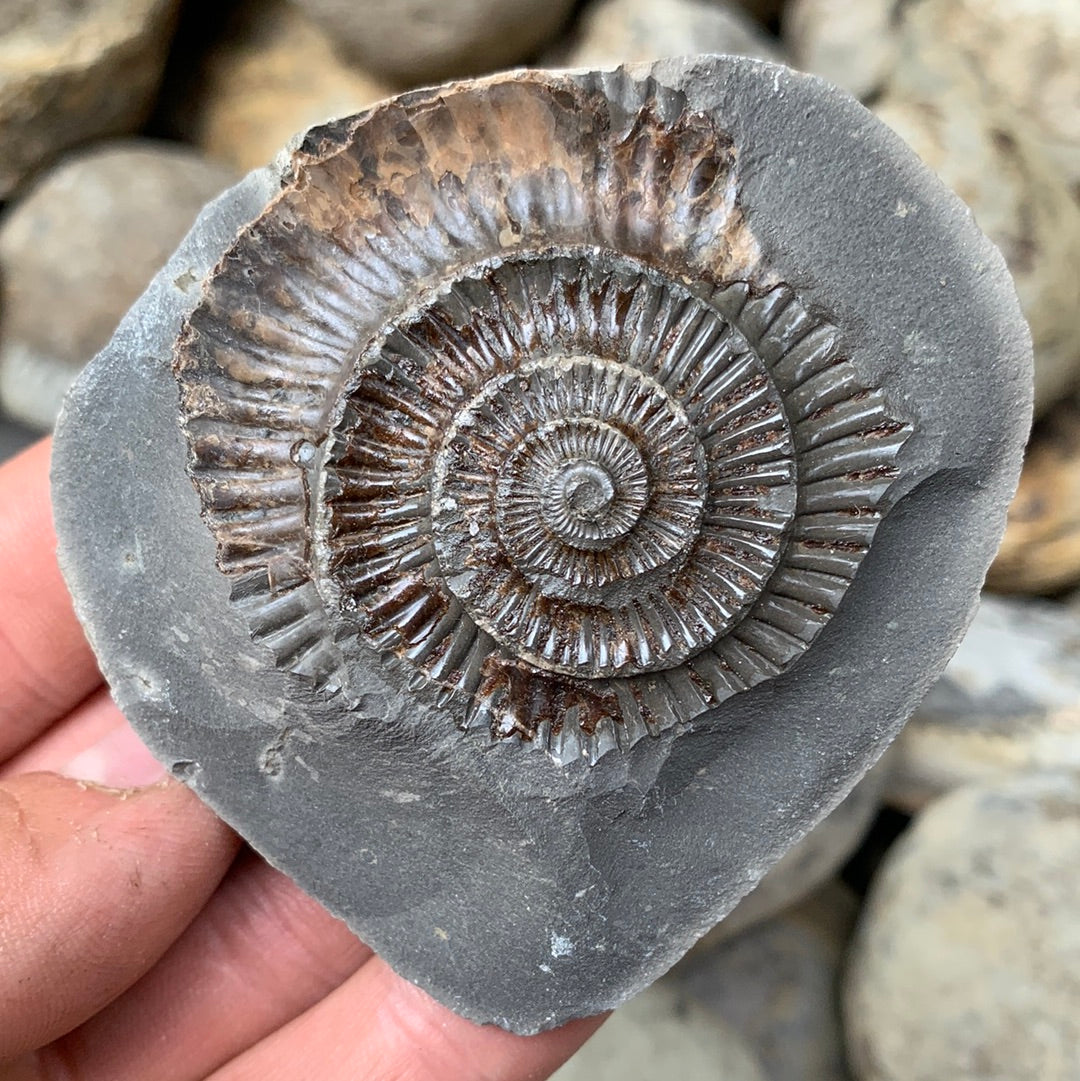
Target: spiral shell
{"type": "Point", "coordinates": [500, 393]}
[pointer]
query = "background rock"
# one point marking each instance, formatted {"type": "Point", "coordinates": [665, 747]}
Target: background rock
{"type": "Point", "coordinates": [77, 251]}
{"type": "Point", "coordinates": [1018, 196]}
{"type": "Point", "coordinates": [777, 986]}
{"type": "Point", "coordinates": [13, 438]}
{"type": "Point", "coordinates": [71, 73]}
{"type": "Point", "coordinates": [415, 41]}
{"type": "Point", "coordinates": [854, 45]}
{"type": "Point", "coordinates": [818, 856]}
{"type": "Point", "coordinates": [611, 32]}
{"type": "Point", "coordinates": [662, 1033]}
{"type": "Point", "coordinates": [275, 73]}
{"type": "Point", "coordinates": [765, 11]}
{"type": "Point", "coordinates": [1025, 55]}
{"type": "Point", "coordinates": [1022, 55]}
{"type": "Point", "coordinates": [1009, 701]}
{"type": "Point", "coordinates": [966, 964]}
{"type": "Point", "coordinates": [1041, 549]}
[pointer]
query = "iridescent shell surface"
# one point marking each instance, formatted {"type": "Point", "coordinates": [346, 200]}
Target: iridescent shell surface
{"type": "Point", "coordinates": [500, 390]}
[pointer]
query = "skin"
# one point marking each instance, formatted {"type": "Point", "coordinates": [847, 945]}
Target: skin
{"type": "Point", "coordinates": [138, 937]}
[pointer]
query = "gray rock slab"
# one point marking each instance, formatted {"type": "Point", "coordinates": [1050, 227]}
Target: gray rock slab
{"type": "Point", "coordinates": [804, 868]}
{"type": "Point", "coordinates": [516, 887]}
{"type": "Point", "coordinates": [1009, 702]}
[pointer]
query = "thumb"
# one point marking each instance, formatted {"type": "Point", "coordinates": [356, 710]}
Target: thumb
{"type": "Point", "coordinates": [96, 884]}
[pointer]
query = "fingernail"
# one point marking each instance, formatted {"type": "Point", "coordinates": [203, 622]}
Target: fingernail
{"type": "Point", "coordinates": [118, 760]}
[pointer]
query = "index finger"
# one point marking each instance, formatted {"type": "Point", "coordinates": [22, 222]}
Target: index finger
{"type": "Point", "coordinates": [46, 666]}
{"type": "Point", "coordinates": [382, 1028]}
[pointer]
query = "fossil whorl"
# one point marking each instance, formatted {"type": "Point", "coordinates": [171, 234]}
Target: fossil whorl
{"type": "Point", "coordinates": [499, 391]}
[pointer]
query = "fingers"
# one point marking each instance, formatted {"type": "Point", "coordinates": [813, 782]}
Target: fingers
{"type": "Point", "coordinates": [91, 721]}
{"type": "Point", "coordinates": [46, 667]}
{"type": "Point", "coordinates": [96, 885]}
{"type": "Point", "coordinates": [258, 955]}
{"type": "Point", "coordinates": [379, 1027]}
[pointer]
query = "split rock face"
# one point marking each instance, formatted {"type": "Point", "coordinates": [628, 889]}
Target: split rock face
{"type": "Point", "coordinates": [534, 503]}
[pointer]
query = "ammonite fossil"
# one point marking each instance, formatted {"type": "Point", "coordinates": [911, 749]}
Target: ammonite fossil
{"type": "Point", "coordinates": [534, 502]}
{"type": "Point", "coordinates": [556, 438]}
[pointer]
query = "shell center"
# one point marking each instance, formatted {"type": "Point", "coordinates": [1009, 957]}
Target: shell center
{"type": "Point", "coordinates": [591, 501]}
{"type": "Point", "coordinates": [585, 490]}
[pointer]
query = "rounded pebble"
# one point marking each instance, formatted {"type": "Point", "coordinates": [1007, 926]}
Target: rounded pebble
{"type": "Point", "coordinates": [1009, 701]}
{"type": "Point", "coordinates": [966, 965]}
{"type": "Point", "coordinates": [1041, 549]}
{"type": "Point", "coordinates": [777, 986]}
{"type": "Point", "coordinates": [818, 856]}
{"type": "Point", "coordinates": [854, 45]}
{"type": "Point", "coordinates": [611, 32]}
{"type": "Point", "coordinates": [274, 74]}
{"type": "Point", "coordinates": [74, 72]}
{"type": "Point", "coordinates": [416, 41]}
{"type": "Point", "coordinates": [1018, 196]}
{"type": "Point", "coordinates": [662, 1033]}
{"type": "Point", "coordinates": [78, 250]}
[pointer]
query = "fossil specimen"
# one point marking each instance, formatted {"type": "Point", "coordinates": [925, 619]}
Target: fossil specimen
{"type": "Point", "coordinates": [542, 499]}
{"type": "Point", "coordinates": [581, 462]}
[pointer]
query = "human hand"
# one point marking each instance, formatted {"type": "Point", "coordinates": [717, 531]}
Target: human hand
{"type": "Point", "coordinates": [138, 940]}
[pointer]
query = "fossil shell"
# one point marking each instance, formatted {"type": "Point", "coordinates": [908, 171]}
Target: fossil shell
{"type": "Point", "coordinates": [525, 509]}
{"type": "Point", "coordinates": [500, 390]}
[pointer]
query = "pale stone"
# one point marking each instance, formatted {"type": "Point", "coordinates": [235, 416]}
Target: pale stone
{"type": "Point", "coordinates": [1009, 701]}
{"type": "Point", "coordinates": [611, 32]}
{"type": "Point", "coordinates": [416, 41]}
{"type": "Point", "coordinates": [1019, 199]}
{"type": "Point", "coordinates": [78, 250]}
{"type": "Point", "coordinates": [274, 74]}
{"type": "Point", "coordinates": [1041, 549]}
{"type": "Point", "coordinates": [1025, 54]}
{"type": "Point", "coordinates": [663, 1033]}
{"type": "Point", "coordinates": [854, 45]}
{"type": "Point", "coordinates": [777, 986]}
{"type": "Point", "coordinates": [71, 73]}
{"type": "Point", "coordinates": [966, 964]}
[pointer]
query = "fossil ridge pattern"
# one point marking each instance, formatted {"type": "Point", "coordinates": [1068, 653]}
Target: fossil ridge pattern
{"type": "Point", "coordinates": [499, 391]}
